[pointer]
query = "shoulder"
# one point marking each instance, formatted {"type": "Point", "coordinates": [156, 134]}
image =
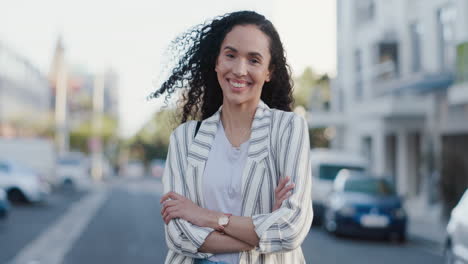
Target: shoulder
{"type": "Point", "coordinates": [184, 129]}
{"type": "Point", "coordinates": [282, 119]}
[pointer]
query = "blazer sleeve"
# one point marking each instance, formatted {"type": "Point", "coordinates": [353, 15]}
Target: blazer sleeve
{"type": "Point", "coordinates": [286, 228]}
{"type": "Point", "coordinates": [181, 236]}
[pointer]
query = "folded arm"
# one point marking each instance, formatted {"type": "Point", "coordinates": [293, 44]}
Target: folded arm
{"type": "Point", "coordinates": [286, 228]}
{"type": "Point", "coordinates": [182, 236]}
{"type": "Point", "coordinates": [281, 230]}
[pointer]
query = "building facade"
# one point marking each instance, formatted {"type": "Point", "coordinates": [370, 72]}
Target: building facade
{"type": "Point", "coordinates": [400, 96]}
{"type": "Point", "coordinates": [24, 95]}
{"type": "Point", "coordinates": [80, 84]}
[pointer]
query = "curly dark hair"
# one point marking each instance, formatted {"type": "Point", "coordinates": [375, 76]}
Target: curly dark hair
{"type": "Point", "coordinates": [197, 51]}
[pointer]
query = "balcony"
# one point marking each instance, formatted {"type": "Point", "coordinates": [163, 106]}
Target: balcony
{"type": "Point", "coordinates": [385, 81]}
{"type": "Point", "coordinates": [318, 119]}
{"type": "Point", "coordinates": [458, 94]}
{"type": "Point", "coordinates": [393, 106]}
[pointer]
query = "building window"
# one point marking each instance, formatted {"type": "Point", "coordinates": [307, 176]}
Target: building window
{"type": "Point", "coordinates": [387, 61]}
{"type": "Point", "coordinates": [365, 11]}
{"type": "Point", "coordinates": [446, 37]}
{"type": "Point", "coordinates": [358, 88]}
{"type": "Point", "coordinates": [416, 37]}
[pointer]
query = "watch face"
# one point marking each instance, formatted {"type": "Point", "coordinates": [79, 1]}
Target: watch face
{"type": "Point", "coordinates": [223, 220]}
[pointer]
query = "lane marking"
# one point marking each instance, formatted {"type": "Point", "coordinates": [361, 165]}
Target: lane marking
{"type": "Point", "coordinates": [52, 245]}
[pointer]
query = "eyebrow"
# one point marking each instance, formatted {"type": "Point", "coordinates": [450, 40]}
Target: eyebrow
{"type": "Point", "coordinates": [252, 53]}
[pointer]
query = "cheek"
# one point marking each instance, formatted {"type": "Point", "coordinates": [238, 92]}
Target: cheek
{"type": "Point", "coordinates": [261, 75]}
{"type": "Point", "coordinates": [221, 66]}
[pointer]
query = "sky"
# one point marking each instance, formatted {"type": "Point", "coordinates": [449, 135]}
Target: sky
{"type": "Point", "coordinates": [132, 36]}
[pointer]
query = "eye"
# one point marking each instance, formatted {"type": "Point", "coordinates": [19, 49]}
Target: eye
{"type": "Point", "coordinates": [229, 55]}
{"type": "Point", "coordinates": [254, 61]}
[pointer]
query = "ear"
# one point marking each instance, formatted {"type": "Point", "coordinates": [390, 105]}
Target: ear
{"type": "Point", "coordinates": [216, 65]}
{"type": "Point", "coordinates": [269, 75]}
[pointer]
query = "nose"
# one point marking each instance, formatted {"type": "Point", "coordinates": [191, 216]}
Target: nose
{"type": "Point", "coordinates": [240, 68]}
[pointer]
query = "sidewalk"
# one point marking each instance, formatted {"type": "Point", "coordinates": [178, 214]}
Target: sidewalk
{"type": "Point", "coordinates": [425, 222]}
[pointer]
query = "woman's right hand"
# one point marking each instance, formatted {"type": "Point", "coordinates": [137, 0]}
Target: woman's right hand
{"type": "Point", "coordinates": [282, 192]}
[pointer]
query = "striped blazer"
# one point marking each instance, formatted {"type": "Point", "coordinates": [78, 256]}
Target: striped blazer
{"type": "Point", "coordinates": [279, 147]}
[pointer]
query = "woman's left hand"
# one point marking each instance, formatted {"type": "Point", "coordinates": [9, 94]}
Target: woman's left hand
{"type": "Point", "coordinates": [282, 192]}
{"type": "Point", "coordinates": [180, 207]}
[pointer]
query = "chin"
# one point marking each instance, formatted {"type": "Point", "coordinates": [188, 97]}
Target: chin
{"type": "Point", "coordinates": [237, 99]}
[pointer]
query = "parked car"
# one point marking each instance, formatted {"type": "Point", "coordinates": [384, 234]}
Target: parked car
{"type": "Point", "coordinates": [157, 167]}
{"type": "Point", "coordinates": [21, 183]}
{"type": "Point", "coordinates": [456, 247]}
{"type": "Point", "coordinates": [35, 153]}
{"type": "Point", "coordinates": [134, 169]}
{"type": "Point", "coordinates": [325, 165]}
{"type": "Point", "coordinates": [4, 204]}
{"type": "Point", "coordinates": [72, 170]}
{"type": "Point", "coordinates": [367, 206]}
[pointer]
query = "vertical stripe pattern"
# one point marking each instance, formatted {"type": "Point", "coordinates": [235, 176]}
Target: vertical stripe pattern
{"type": "Point", "coordinates": [279, 147]}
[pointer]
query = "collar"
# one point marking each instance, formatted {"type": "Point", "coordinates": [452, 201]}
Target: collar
{"type": "Point", "coordinates": [258, 147]}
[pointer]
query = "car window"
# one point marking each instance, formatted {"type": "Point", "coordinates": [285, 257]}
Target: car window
{"type": "Point", "coordinates": [329, 172]}
{"type": "Point", "coordinates": [369, 186]}
{"type": "Point", "coordinates": [4, 167]}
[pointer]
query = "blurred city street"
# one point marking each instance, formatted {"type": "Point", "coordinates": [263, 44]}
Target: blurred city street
{"type": "Point", "coordinates": [125, 226]}
{"type": "Point", "coordinates": [382, 86]}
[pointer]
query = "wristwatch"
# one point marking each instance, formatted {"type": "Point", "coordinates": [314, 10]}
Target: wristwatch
{"type": "Point", "coordinates": [223, 221]}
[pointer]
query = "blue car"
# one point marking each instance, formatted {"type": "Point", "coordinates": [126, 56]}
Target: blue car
{"type": "Point", "coordinates": [4, 204]}
{"type": "Point", "coordinates": [361, 205]}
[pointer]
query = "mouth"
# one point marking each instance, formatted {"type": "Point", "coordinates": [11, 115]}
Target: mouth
{"type": "Point", "coordinates": [238, 85]}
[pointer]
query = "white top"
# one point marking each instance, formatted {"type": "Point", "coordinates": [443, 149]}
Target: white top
{"type": "Point", "coordinates": [222, 181]}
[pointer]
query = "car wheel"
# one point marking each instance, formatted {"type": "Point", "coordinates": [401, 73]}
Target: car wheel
{"type": "Point", "coordinates": [397, 237]}
{"type": "Point", "coordinates": [3, 214]}
{"type": "Point", "coordinates": [329, 222]}
{"type": "Point", "coordinates": [68, 185]}
{"type": "Point", "coordinates": [449, 256]}
{"type": "Point", "coordinates": [16, 196]}
{"type": "Point", "coordinates": [402, 238]}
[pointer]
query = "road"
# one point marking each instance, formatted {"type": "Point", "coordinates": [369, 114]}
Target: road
{"type": "Point", "coordinates": [120, 223]}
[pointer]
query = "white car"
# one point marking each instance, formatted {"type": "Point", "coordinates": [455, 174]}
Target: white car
{"type": "Point", "coordinates": [325, 165]}
{"type": "Point", "coordinates": [21, 183]}
{"type": "Point", "coordinates": [72, 170]}
{"type": "Point", "coordinates": [35, 153]}
{"type": "Point", "coordinates": [134, 169]}
{"type": "Point", "coordinates": [456, 247]}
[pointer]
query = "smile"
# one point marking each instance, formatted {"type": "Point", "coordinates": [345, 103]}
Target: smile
{"type": "Point", "coordinates": [238, 84]}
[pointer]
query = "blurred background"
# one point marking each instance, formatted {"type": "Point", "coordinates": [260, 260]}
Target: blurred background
{"type": "Point", "coordinates": [382, 84]}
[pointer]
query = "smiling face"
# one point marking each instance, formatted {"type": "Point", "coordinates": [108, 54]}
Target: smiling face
{"type": "Point", "coordinates": [242, 66]}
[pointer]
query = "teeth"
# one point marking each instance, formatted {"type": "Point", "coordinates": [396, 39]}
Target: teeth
{"type": "Point", "coordinates": [238, 85]}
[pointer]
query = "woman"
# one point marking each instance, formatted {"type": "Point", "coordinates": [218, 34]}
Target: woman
{"type": "Point", "coordinates": [237, 184]}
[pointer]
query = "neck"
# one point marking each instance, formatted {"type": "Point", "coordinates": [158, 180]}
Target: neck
{"type": "Point", "coordinates": [237, 122]}
{"type": "Point", "coordinates": [237, 116]}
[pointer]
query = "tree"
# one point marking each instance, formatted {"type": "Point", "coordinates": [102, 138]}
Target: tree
{"type": "Point", "coordinates": [80, 136]}
{"type": "Point", "coordinates": [303, 86]}
{"type": "Point", "coordinates": [312, 91]}
{"type": "Point", "coordinates": [153, 137]}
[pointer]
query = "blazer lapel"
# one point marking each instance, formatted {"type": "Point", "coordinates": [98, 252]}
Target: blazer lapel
{"type": "Point", "coordinates": [198, 155]}
{"type": "Point", "coordinates": [254, 170]}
